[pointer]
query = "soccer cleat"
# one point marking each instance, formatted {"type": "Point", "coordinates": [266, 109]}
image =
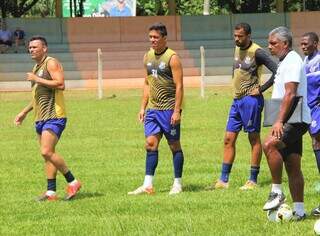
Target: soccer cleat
{"type": "Point", "coordinates": [176, 189]}
{"type": "Point", "coordinates": [316, 211]}
{"type": "Point", "coordinates": [47, 197]}
{"type": "Point", "coordinates": [142, 190]}
{"type": "Point", "coordinates": [249, 185]}
{"type": "Point", "coordinates": [274, 201]}
{"type": "Point", "coordinates": [296, 217]}
{"type": "Point", "coordinates": [221, 185]}
{"type": "Point", "coordinates": [72, 190]}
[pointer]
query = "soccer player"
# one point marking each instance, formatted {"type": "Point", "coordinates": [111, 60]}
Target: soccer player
{"type": "Point", "coordinates": [47, 82]}
{"type": "Point", "coordinates": [162, 96]}
{"type": "Point", "coordinates": [284, 142]}
{"type": "Point", "coordinates": [309, 45]}
{"type": "Point", "coordinates": [245, 111]}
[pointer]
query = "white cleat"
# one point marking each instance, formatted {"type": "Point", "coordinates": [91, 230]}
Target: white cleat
{"type": "Point", "coordinates": [176, 189]}
{"type": "Point", "coordinates": [142, 190]}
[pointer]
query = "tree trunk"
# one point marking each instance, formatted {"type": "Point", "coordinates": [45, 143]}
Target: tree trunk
{"type": "Point", "coordinates": [279, 5]}
{"type": "Point", "coordinates": [206, 7]}
{"type": "Point", "coordinates": [172, 7]}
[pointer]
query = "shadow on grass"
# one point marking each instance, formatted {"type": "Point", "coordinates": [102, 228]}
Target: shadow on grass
{"type": "Point", "coordinates": [83, 195]}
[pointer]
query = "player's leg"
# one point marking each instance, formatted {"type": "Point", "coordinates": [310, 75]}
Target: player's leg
{"type": "Point", "coordinates": [178, 161]}
{"type": "Point", "coordinates": [153, 137]}
{"type": "Point", "coordinates": [233, 127]}
{"type": "Point", "coordinates": [274, 157]}
{"type": "Point", "coordinates": [296, 184]}
{"type": "Point", "coordinates": [250, 110]}
{"type": "Point", "coordinates": [51, 173]}
{"type": "Point", "coordinates": [51, 132]}
{"type": "Point", "coordinates": [172, 134]}
{"type": "Point", "coordinates": [229, 152]}
{"type": "Point", "coordinates": [315, 133]}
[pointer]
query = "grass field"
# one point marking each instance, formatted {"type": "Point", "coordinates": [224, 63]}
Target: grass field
{"type": "Point", "coordinates": [104, 147]}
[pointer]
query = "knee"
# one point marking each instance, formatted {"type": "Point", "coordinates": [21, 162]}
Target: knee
{"type": "Point", "coordinates": [268, 146]}
{"type": "Point", "coordinates": [228, 142]}
{"type": "Point", "coordinates": [46, 153]}
{"type": "Point", "coordinates": [151, 145]}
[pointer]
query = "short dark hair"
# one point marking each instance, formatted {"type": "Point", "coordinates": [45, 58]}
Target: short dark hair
{"type": "Point", "coordinates": [159, 27]}
{"type": "Point", "coordinates": [245, 26]}
{"type": "Point", "coordinates": [39, 37]}
{"type": "Point", "coordinates": [312, 35]}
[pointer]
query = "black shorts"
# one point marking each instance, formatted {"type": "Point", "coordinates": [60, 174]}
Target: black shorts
{"type": "Point", "coordinates": [292, 138]}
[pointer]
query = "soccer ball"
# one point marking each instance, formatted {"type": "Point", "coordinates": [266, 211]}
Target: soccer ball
{"type": "Point", "coordinates": [281, 214]}
{"type": "Point", "coordinates": [316, 227]}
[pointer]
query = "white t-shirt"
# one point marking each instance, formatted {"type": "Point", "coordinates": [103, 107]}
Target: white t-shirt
{"type": "Point", "coordinates": [291, 70]}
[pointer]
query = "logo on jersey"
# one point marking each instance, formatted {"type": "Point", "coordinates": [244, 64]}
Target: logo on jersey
{"type": "Point", "coordinates": [40, 73]}
{"type": "Point", "coordinates": [154, 73]}
{"type": "Point", "coordinates": [313, 123]}
{"type": "Point", "coordinates": [247, 60]}
{"type": "Point", "coordinates": [162, 65]}
{"type": "Point", "coordinates": [149, 64]}
{"type": "Point", "coordinates": [314, 67]}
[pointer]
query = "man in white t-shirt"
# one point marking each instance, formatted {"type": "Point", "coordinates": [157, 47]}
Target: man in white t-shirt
{"type": "Point", "coordinates": [284, 142]}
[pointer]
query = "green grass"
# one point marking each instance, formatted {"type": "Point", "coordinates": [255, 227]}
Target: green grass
{"type": "Point", "coordinates": [104, 147]}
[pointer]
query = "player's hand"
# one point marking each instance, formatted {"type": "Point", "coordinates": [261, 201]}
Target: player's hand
{"type": "Point", "coordinates": [19, 118]}
{"type": "Point", "coordinates": [141, 115]}
{"type": "Point", "coordinates": [255, 92]}
{"type": "Point", "coordinates": [175, 118]}
{"type": "Point", "coordinates": [277, 130]}
{"type": "Point", "coordinates": [32, 77]}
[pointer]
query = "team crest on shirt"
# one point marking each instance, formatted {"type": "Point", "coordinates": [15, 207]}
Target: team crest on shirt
{"type": "Point", "coordinates": [314, 68]}
{"type": "Point", "coordinates": [40, 73]}
{"type": "Point", "coordinates": [162, 65]}
{"type": "Point", "coordinates": [247, 60]}
{"type": "Point", "coordinates": [313, 123]}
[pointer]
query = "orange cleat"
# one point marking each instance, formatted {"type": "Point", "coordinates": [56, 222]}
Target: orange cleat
{"type": "Point", "coordinates": [72, 190]}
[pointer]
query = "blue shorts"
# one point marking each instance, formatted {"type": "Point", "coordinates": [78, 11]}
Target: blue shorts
{"type": "Point", "coordinates": [158, 122]}
{"type": "Point", "coordinates": [245, 112]}
{"type": "Point", "coordinates": [315, 120]}
{"type": "Point", "coordinates": [55, 125]}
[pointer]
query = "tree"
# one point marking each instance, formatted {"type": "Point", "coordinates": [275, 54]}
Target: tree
{"type": "Point", "coordinates": [16, 8]}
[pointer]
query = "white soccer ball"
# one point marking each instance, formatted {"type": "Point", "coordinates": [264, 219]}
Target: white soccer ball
{"type": "Point", "coordinates": [316, 227]}
{"type": "Point", "coordinates": [282, 214]}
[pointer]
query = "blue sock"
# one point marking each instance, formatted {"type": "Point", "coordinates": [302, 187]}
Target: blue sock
{"type": "Point", "coordinates": [317, 154]}
{"type": "Point", "coordinates": [226, 169]}
{"type": "Point", "coordinates": [52, 186]}
{"type": "Point", "coordinates": [254, 171]}
{"type": "Point", "coordinates": [178, 160]}
{"type": "Point", "coordinates": [151, 162]}
{"type": "Point", "coordinates": [69, 176]}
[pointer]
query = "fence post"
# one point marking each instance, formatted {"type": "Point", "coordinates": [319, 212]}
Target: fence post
{"type": "Point", "coordinates": [203, 71]}
{"type": "Point", "coordinates": [100, 79]}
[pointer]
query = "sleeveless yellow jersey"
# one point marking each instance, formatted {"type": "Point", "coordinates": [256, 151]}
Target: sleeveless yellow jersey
{"type": "Point", "coordinates": [48, 103]}
{"type": "Point", "coordinates": [162, 87]}
{"type": "Point", "coordinates": [246, 72]}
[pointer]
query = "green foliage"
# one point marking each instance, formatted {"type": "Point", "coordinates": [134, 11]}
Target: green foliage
{"type": "Point", "coordinates": [103, 146]}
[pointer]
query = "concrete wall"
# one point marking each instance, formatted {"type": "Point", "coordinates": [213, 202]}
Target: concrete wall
{"type": "Point", "coordinates": [187, 28]}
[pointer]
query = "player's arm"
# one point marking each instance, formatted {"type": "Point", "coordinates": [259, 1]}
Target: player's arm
{"type": "Point", "coordinates": [56, 72]}
{"type": "Point", "coordinates": [263, 58]}
{"type": "Point", "coordinates": [145, 95]}
{"type": "Point", "coordinates": [285, 107]}
{"type": "Point", "coordinates": [177, 74]}
{"type": "Point", "coordinates": [22, 115]}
